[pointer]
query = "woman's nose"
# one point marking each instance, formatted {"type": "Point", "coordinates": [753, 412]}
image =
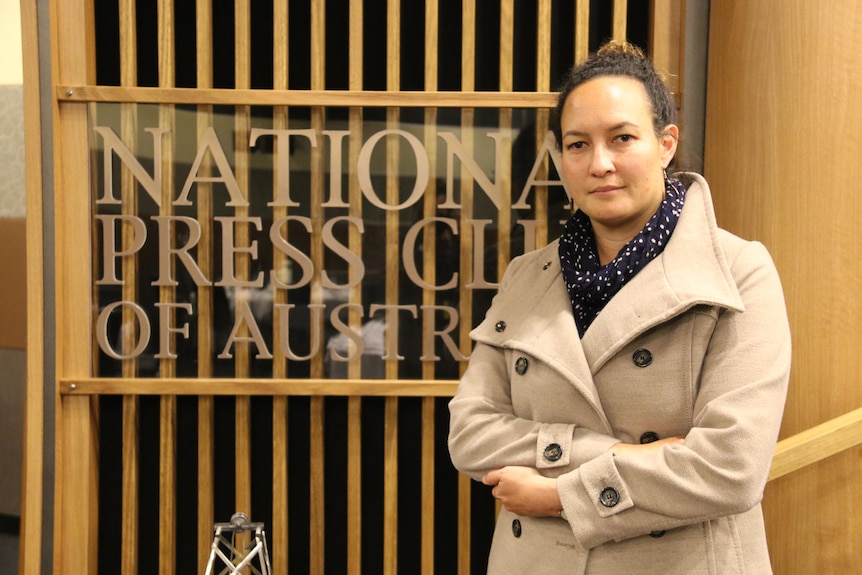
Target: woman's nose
{"type": "Point", "coordinates": [602, 161]}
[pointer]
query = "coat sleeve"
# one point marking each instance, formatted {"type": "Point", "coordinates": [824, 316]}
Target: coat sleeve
{"type": "Point", "coordinates": [485, 433]}
{"type": "Point", "coordinates": [724, 463]}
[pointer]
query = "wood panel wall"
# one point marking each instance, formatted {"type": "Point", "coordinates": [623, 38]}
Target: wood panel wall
{"type": "Point", "coordinates": [782, 157]}
{"type": "Point", "coordinates": [135, 422]}
{"type": "Point", "coordinates": [34, 468]}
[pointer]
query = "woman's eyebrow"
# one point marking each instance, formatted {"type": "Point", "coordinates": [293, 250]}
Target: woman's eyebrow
{"type": "Point", "coordinates": [614, 128]}
{"type": "Point", "coordinates": [621, 125]}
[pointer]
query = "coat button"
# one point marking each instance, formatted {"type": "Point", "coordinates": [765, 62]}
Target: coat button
{"type": "Point", "coordinates": [642, 357]}
{"type": "Point", "coordinates": [500, 326]}
{"type": "Point", "coordinates": [649, 437]}
{"type": "Point", "coordinates": [553, 452]}
{"type": "Point", "coordinates": [521, 365]}
{"type": "Point", "coordinates": [609, 497]}
{"type": "Point", "coordinates": [656, 534]}
{"type": "Point", "coordinates": [516, 528]}
{"type": "Point", "coordinates": [546, 266]}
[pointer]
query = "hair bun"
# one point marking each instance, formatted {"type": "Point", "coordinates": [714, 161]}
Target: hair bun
{"type": "Point", "coordinates": [621, 47]}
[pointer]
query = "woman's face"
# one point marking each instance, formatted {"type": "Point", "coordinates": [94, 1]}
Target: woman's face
{"type": "Point", "coordinates": [612, 159]}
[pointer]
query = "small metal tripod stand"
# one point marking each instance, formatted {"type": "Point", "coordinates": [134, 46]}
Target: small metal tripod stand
{"type": "Point", "coordinates": [235, 557]}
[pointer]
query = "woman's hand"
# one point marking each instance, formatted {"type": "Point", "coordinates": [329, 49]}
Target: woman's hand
{"type": "Point", "coordinates": [620, 448]}
{"type": "Point", "coordinates": [524, 491]}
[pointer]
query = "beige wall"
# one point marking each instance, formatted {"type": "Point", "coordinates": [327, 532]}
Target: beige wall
{"type": "Point", "coordinates": [782, 152]}
{"type": "Point", "coordinates": [11, 67]}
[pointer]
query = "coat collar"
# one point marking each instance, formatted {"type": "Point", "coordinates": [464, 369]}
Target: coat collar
{"type": "Point", "coordinates": [691, 271]}
{"type": "Point", "coordinates": [535, 307]}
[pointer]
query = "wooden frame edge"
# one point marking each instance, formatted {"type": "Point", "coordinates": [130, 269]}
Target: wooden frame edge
{"type": "Point", "coordinates": [311, 98]}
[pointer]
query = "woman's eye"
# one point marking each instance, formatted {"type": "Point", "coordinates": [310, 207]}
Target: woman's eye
{"type": "Point", "coordinates": [576, 145]}
{"type": "Point", "coordinates": [625, 137]}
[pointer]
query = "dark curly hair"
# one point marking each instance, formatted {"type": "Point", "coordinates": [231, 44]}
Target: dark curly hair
{"type": "Point", "coordinates": [619, 59]}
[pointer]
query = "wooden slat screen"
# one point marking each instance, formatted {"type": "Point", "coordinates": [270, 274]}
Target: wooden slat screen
{"type": "Point", "coordinates": [349, 471]}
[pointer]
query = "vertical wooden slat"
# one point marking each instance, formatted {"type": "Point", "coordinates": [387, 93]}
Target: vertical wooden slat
{"type": "Point", "coordinates": [206, 466]}
{"type": "Point", "coordinates": [354, 485]}
{"type": "Point", "coordinates": [677, 57]}
{"type": "Point", "coordinates": [128, 131]}
{"type": "Point", "coordinates": [242, 123]}
{"type": "Point", "coordinates": [129, 520]}
{"type": "Point", "coordinates": [619, 23]}
{"type": "Point", "coordinates": [167, 484]}
{"type": "Point", "coordinates": [468, 83]}
{"type": "Point", "coordinates": [278, 534]}
{"type": "Point", "coordinates": [167, 295]}
{"type": "Point", "coordinates": [582, 30]}
{"type": "Point", "coordinates": [543, 46]}
{"type": "Point", "coordinates": [468, 75]}
{"type": "Point", "coordinates": [428, 492]}
{"type": "Point", "coordinates": [206, 469]}
{"type": "Point", "coordinates": [354, 403]}
{"type": "Point", "coordinates": [317, 544]}
{"type": "Point", "coordinates": [93, 494]}
{"type": "Point", "coordinates": [507, 41]}
{"type": "Point", "coordinates": [128, 186]}
{"type": "Point", "coordinates": [76, 484]}
{"type": "Point", "coordinates": [75, 465]}
{"type": "Point", "coordinates": [543, 84]}
{"type": "Point", "coordinates": [317, 547]}
{"type": "Point", "coordinates": [390, 487]}
{"type": "Point", "coordinates": [429, 208]}
{"type": "Point", "coordinates": [429, 296]}
{"type": "Point", "coordinates": [660, 48]}
{"type": "Point", "coordinates": [504, 225]}
{"type": "Point", "coordinates": [390, 439]}
{"type": "Point", "coordinates": [280, 527]}
{"type": "Point", "coordinates": [667, 43]}
{"type": "Point", "coordinates": [393, 224]}
{"type": "Point", "coordinates": [355, 79]}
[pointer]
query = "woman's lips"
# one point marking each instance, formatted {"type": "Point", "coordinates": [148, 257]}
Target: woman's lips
{"type": "Point", "coordinates": [605, 189]}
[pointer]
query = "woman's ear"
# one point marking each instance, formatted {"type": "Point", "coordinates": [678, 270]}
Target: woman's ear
{"type": "Point", "coordinates": [668, 142]}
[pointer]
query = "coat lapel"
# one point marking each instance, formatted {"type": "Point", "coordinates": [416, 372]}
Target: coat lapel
{"type": "Point", "coordinates": [690, 271]}
{"type": "Point", "coordinates": [538, 320]}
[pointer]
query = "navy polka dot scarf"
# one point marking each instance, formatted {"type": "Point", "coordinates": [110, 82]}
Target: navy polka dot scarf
{"type": "Point", "coordinates": [591, 285]}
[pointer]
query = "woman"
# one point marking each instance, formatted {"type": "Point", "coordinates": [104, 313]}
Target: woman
{"type": "Point", "coordinates": [626, 388]}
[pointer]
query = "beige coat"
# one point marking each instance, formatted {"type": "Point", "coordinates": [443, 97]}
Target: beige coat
{"type": "Point", "coordinates": [696, 344]}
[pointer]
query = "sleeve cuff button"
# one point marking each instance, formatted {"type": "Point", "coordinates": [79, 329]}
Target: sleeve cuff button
{"type": "Point", "coordinates": [609, 497]}
{"type": "Point", "coordinates": [553, 452]}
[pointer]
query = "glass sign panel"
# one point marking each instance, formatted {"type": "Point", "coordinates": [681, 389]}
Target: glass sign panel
{"type": "Point", "coordinates": [246, 242]}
